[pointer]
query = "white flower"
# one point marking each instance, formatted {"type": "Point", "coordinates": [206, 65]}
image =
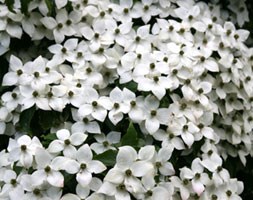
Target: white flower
{"type": "Point", "coordinates": [12, 99]}
{"type": "Point", "coordinates": [67, 142]}
{"type": "Point", "coordinates": [186, 129]}
{"type": "Point", "coordinates": [118, 33]}
{"type": "Point", "coordinates": [197, 91]}
{"type": "Point", "coordinates": [154, 116]}
{"type": "Point", "coordinates": [169, 139]}
{"type": "Point", "coordinates": [23, 150]}
{"type": "Point", "coordinates": [184, 187]}
{"type": "Point", "coordinates": [59, 25]}
{"type": "Point", "coordinates": [105, 142]}
{"type": "Point", "coordinates": [95, 35]}
{"type": "Point", "coordinates": [95, 106]}
{"type": "Point", "coordinates": [120, 103]}
{"type": "Point", "coordinates": [161, 162]}
{"type": "Point", "coordinates": [199, 179]}
{"type": "Point", "coordinates": [140, 41]}
{"type": "Point", "coordinates": [211, 160]}
{"type": "Point", "coordinates": [45, 170]}
{"type": "Point", "coordinates": [86, 124]}
{"type": "Point", "coordinates": [83, 166]}
{"type": "Point", "coordinates": [63, 52]}
{"type": "Point", "coordinates": [11, 183]}
{"type": "Point", "coordinates": [18, 74]}
{"type": "Point", "coordinates": [33, 97]}
{"type": "Point", "coordinates": [127, 169]}
{"type": "Point", "coordinates": [145, 10]}
{"type": "Point", "coordinates": [9, 22]}
{"type": "Point", "coordinates": [154, 191]}
{"type": "Point", "coordinates": [36, 189]}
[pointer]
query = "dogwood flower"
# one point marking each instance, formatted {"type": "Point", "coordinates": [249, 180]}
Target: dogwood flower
{"type": "Point", "coordinates": [83, 166]}
{"type": "Point", "coordinates": [59, 25]}
{"type": "Point", "coordinates": [67, 142]}
{"type": "Point", "coordinates": [198, 178]}
{"type": "Point", "coordinates": [126, 171]}
{"type": "Point", "coordinates": [105, 142]}
{"type": "Point", "coordinates": [154, 116]}
{"type": "Point", "coordinates": [18, 74]}
{"type": "Point", "coordinates": [23, 150]}
{"type": "Point", "coordinates": [45, 170]}
{"type": "Point", "coordinates": [35, 189]}
{"type": "Point", "coordinates": [95, 106]}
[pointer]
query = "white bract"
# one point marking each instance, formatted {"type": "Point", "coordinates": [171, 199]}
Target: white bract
{"type": "Point", "coordinates": [124, 99]}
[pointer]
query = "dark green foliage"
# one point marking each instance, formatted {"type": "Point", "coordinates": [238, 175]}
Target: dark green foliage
{"type": "Point", "coordinates": [26, 116]}
{"type": "Point", "coordinates": [10, 4]}
{"type": "Point", "coordinates": [108, 157]}
{"type": "Point", "coordinates": [130, 138]}
{"type": "Point", "coordinates": [24, 6]}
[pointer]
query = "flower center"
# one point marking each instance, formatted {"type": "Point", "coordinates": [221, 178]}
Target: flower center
{"type": "Point", "coordinates": [94, 104]}
{"type": "Point", "coordinates": [23, 147]}
{"type": "Point", "coordinates": [105, 143]}
{"type": "Point", "coordinates": [36, 192]}
{"type": "Point", "coordinates": [83, 166]}
{"type": "Point", "coordinates": [13, 182]}
{"type": "Point", "coordinates": [19, 72]}
{"type": "Point", "coordinates": [128, 172]}
{"type": "Point", "coordinates": [67, 142]}
{"type": "Point", "coordinates": [14, 95]}
{"type": "Point", "coordinates": [47, 169]}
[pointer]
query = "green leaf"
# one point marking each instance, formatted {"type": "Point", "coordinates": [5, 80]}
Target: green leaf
{"type": "Point", "coordinates": [47, 139]}
{"type": "Point", "coordinates": [50, 6]}
{"type": "Point", "coordinates": [10, 4]}
{"type": "Point", "coordinates": [25, 119]}
{"type": "Point", "coordinates": [130, 138]}
{"type": "Point", "coordinates": [108, 157]}
{"type": "Point", "coordinates": [24, 6]}
{"type": "Point", "coordinates": [130, 85]}
{"type": "Point", "coordinates": [49, 119]}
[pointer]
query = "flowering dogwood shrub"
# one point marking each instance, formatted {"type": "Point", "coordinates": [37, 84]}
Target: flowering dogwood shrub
{"type": "Point", "coordinates": [124, 99]}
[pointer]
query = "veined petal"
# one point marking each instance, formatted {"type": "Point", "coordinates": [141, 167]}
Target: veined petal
{"type": "Point", "coordinates": [146, 153]}
{"type": "Point", "coordinates": [198, 187]}
{"type": "Point", "coordinates": [126, 156]}
{"type": "Point", "coordinates": [84, 178]}
{"type": "Point", "coordinates": [69, 151]}
{"type": "Point", "coordinates": [152, 125]}
{"type": "Point", "coordinates": [60, 3]}
{"type": "Point", "coordinates": [42, 157]}
{"type": "Point", "coordinates": [49, 22]}
{"type": "Point", "coordinates": [141, 168]}
{"type": "Point", "coordinates": [115, 176]}
{"type": "Point", "coordinates": [63, 134]}
{"type": "Point", "coordinates": [187, 138]}
{"type": "Point", "coordinates": [72, 167]}
{"type": "Point", "coordinates": [77, 138]}
{"type": "Point", "coordinates": [55, 146]}
{"type": "Point", "coordinates": [96, 167]}
{"type": "Point", "coordinates": [56, 179]}
{"type": "Point", "coordinates": [84, 154]}
{"type": "Point", "coordinates": [10, 79]}
{"type": "Point", "coordinates": [167, 169]}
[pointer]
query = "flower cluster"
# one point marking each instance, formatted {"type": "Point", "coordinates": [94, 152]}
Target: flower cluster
{"type": "Point", "coordinates": [158, 94]}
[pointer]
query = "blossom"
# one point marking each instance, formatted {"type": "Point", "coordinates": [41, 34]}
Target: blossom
{"type": "Point", "coordinates": [66, 142]}
{"type": "Point", "coordinates": [126, 171]}
{"type": "Point", "coordinates": [95, 106]}
{"type": "Point", "coordinates": [105, 142]}
{"type": "Point", "coordinates": [45, 170]}
{"type": "Point", "coordinates": [23, 150]}
{"type": "Point", "coordinates": [59, 25]}
{"type": "Point", "coordinates": [18, 73]}
{"type": "Point", "coordinates": [83, 165]}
